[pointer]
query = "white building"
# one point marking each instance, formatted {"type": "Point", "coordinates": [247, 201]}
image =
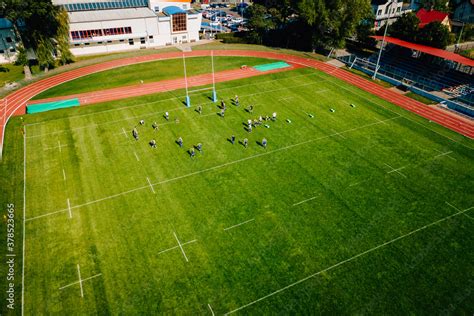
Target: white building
{"type": "Point", "coordinates": [102, 26]}
{"type": "Point", "coordinates": [386, 10]}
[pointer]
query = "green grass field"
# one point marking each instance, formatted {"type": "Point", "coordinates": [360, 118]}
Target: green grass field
{"type": "Point", "coordinates": [367, 210]}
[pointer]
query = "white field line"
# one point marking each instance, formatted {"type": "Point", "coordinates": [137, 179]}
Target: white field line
{"type": "Point", "coordinates": [64, 175]}
{"type": "Point", "coordinates": [162, 111]}
{"type": "Point", "coordinates": [172, 248]}
{"type": "Point", "coordinates": [210, 308]}
{"type": "Point", "coordinates": [124, 132]}
{"type": "Point", "coordinates": [181, 247]}
{"type": "Point", "coordinates": [136, 156]}
{"type": "Point", "coordinates": [250, 220]}
{"type": "Point", "coordinates": [86, 279]}
{"type": "Point", "coordinates": [80, 280]}
{"type": "Point", "coordinates": [304, 201]}
{"type": "Point", "coordinates": [151, 185]}
{"type": "Point", "coordinates": [396, 170]}
{"type": "Point", "coordinates": [24, 221]}
{"type": "Point", "coordinates": [357, 183]}
{"type": "Point", "coordinates": [445, 154]}
{"type": "Point", "coordinates": [59, 146]}
{"type": "Point", "coordinates": [212, 168]}
{"type": "Point", "coordinates": [348, 260]}
{"type": "Point", "coordinates": [69, 208]}
{"type": "Point", "coordinates": [338, 134]}
{"type": "Point", "coordinates": [173, 98]}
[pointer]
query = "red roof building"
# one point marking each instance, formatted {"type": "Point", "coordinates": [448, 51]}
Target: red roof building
{"type": "Point", "coordinates": [428, 16]}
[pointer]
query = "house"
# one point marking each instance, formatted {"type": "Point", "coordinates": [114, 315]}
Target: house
{"type": "Point", "coordinates": [102, 26]}
{"type": "Point", "coordinates": [428, 16]}
{"type": "Point", "coordinates": [386, 11]}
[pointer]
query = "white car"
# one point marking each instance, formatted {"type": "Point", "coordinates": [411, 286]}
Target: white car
{"type": "Point", "coordinates": [237, 20]}
{"type": "Point", "coordinates": [215, 23]}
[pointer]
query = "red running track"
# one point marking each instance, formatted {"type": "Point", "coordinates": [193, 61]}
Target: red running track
{"type": "Point", "coordinates": [162, 86]}
{"type": "Point", "coordinates": [15, 102]}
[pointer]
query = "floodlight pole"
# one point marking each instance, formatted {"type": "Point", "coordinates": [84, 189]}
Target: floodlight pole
{"type": "Point", "coordinates": [214, 93]}
{"type": "Point", "coordinates": [188, 100]}
{"type": "Point", "coordinates": [383, 43]}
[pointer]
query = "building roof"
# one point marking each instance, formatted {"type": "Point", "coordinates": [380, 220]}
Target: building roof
{"type": "Point", "coordinates": [426, 16]}
{"type": "Point", "coordinates": [110, 15]}
{"type": "Point", "coordinates": [172, 10]}
{"type": "Point", "coordinates": [5, 24]}
{"type": "Point", "coordinates": [429, 50]}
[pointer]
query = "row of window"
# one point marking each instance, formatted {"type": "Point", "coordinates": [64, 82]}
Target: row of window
{"type": "Point", "coordinates": [179, 22]}
{"type": "Point", "coordinates": [131, 41]}
{"type": "Point", "coordinates": [105, 5]}
{"type": "Point", "coordinates": [387, 9]}
{"type": "Point", "coordinates": [101, 32]}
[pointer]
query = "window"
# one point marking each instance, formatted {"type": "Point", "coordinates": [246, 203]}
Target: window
{"type": "Point", "coordinates": [9, 39]}
{"type": "Point", "coordinates": [2, 51]}
{"type": "Point", "coordinates": [87, 44]}
{"type": "Point", "coordinates": [157, 9]}
{"type": "Point", "coordinates": [131, 42]}
{"type": "Point", "coordinates": [12, 50]}
{"type": "Point", "coordinates": [379, 12]}
{"type": "Point", "coordinates": [100, 42]}
{"type": "Point", "coordinates": [150, 37]}
{"type": "Point", "coordinates": [398, 9]}
{"type": "Point", "coordinates": [179, 22]}
{"type": "Point", "coordinates": [109, 41]}
{"type": "Point", "coordinates": [142, 40]}
{"type": "Point", "coordinates": [121, 41]}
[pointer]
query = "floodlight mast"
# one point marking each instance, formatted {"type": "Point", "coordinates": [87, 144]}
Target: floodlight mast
{"type": "Point", "coordinates": [383, 40]}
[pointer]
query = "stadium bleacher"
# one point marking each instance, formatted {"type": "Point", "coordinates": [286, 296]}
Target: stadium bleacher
{"type": "Point", "coordinates": [426, 72]}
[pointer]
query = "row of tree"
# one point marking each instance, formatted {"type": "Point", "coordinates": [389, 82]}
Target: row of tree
{"type": "Point", "coordinates": [305, 24]}
{"type": "Point", "coordinates": [41, 26]}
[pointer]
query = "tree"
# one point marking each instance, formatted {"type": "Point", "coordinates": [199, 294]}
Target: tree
{"type": "Point", "coordinates": [260, 22]}
{"type": "Point", "coordinates": [439, 5]}
{"type": "Point", "coordinates": [405, 27]}
{"type": "Point", "coordinates": [22, 60]}
{"type": "Point", "coordinates": [434, 34]}
{"type": "Point", "coordinates": [331, 21]}
{"type": "Point", "coordinates": [364, 33]}
{"type": "Point", "coordinates": [44, 53]}
{"type": "Point", "coordinates": [62, 37]}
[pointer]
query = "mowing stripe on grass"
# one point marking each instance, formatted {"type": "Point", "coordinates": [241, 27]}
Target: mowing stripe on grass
{"type": "Point", "coordinates": [215, 167]}
{"type": "Point", "coordinates": [168, 99]}
{"type": "Point", "coordinates": [163, 111]}
{"type": "Point", "coordinates": [250, 220]}
{"type": "Point", "coordinates": [348, 260]}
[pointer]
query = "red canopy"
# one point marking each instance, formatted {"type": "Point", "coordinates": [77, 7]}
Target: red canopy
{"type": "Point", "coordinates": [429, 50]}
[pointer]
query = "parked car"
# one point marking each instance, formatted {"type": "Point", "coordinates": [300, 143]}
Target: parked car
{"type": "Point", "coordinates": [237, 20]}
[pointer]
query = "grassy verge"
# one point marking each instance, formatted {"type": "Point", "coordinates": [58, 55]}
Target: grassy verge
{"type": "Point", "coordinates": [420, 98]}
{"type": "Point", "coordinates": [366, 76]}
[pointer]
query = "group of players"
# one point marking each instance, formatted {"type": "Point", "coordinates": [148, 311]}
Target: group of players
{"type": "Point", "coordinates": [192, 151]}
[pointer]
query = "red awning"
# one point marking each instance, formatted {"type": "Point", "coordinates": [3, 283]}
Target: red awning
{"type": "Point", "coordinates": [429, 50]}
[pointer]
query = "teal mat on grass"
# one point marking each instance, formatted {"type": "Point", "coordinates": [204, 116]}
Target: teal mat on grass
{"type": "Point", "coordinates": [272, 66]}
{"type": "Point", "coordinates": [48, 106]}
